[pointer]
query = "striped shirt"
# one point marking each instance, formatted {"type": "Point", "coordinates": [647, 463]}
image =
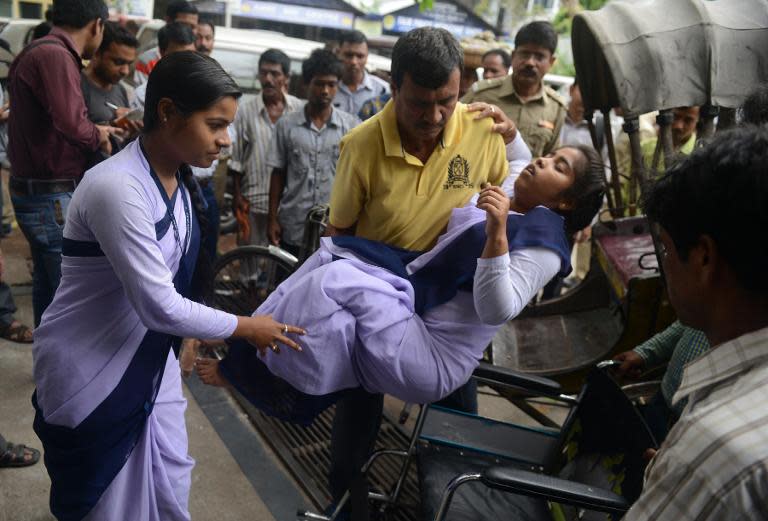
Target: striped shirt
{"type": "Point", "coordinates": [714, 463]}
{"type": "Point", "coordinates": [676, 346]}
{"type": "Point", "coordinates": [254, 131]}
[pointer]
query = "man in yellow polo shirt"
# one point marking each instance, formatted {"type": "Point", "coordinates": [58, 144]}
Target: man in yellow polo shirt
{"type": "Point", "coordinates": [398, 177]}
{"type": "Point", "coordinates": [402, 172]}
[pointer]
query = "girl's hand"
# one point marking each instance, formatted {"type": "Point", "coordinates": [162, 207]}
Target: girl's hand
{"type": "Point", "coordinates": [495, 202]}
{"type": "Point", "coordinates": [265, 333]}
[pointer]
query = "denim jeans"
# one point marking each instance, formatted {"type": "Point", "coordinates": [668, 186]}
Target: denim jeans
{"type": "Point", "coordinates": [41, 219]}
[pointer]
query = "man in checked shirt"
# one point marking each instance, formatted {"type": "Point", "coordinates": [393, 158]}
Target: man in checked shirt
{"type": "Point", "coordinates": [713, 211]}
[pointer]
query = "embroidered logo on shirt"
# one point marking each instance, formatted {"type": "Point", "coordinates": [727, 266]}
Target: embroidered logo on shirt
{"type": "Point", "coordinates": [458, 174]}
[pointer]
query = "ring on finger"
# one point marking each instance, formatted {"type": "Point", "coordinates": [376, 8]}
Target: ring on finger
{"type": "Point", "coordinates": [285, 328]}
{"type": "Point", "coordinates": [273, 347]}
{"type": "Point", "coordinates": [493, 109]}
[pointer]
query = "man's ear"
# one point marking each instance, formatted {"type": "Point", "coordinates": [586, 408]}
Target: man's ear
{"type": "Point", "coordinates": [552, 60]}
{"type": "Point", "coordinates": [705, 258]}
{"type": "Point", "coordinates": [95, 26]}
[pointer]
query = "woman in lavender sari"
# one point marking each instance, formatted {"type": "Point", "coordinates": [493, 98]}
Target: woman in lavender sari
{"type": "Point", "coordinates": [411, 324]}
{"type": "Point", "coordinates": [109, 405]}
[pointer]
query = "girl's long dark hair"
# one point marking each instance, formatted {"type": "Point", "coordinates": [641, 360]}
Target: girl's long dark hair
{"type": "Point", "coordinates": [193, 82]}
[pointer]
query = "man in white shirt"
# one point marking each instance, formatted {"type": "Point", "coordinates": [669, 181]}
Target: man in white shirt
{"type": "Point", "coordinates": [712, 209]}
{"type": "Point", "coordinates": [356, 86]}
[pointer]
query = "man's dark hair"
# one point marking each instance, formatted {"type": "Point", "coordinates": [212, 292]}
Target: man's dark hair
{"type": "Point", "coordinates": [174, 32]}
{"type": "Point", "coordinates": [587, 191]}
{"type": "Point", "coordinates": [208, 22]}
{"type": "Point", "coordinates": [755, 108]}
{"type": "Point", "coordinates": [429, 55]}
{"type": "Point", "coordinates": [320, 63]}
{"type": "Point", "coordinates": [178, 7]}
{"type": "Point", "coordinates": [506, 59]}
{"type": "Point", "coordinates": [276, 56]}
{"type": "Point", "coordinates": [78, 13]}
{"type": "Point", "coordinates": [40, 30]}
{"type": "Point", "coordinates": [113, 33]}
{"type": "Point", "coordinates": [353, 37]}
{"type": "Point", "coordinates": [720, 190]}
{"type": "Point", "coordinates": [542, 34]}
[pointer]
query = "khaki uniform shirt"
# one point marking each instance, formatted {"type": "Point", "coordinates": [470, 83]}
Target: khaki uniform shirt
{"type": "Point", "coordinates": [539, 119]}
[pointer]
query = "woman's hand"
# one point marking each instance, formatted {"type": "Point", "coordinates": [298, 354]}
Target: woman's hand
{"type": "Point", "coordinates": [495, 202]}
{"type": "Point", "coordinates": [265, 333]}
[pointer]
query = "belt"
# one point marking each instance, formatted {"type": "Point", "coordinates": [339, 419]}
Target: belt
{"type": "Point", "coordinates": [24, 186]}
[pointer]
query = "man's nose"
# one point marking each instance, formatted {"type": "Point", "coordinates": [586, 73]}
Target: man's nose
{"type": "Point", "coordinates": [434, 116]}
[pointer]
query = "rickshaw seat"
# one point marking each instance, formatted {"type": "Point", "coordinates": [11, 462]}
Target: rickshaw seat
{"type": "Point", "coordinates": [625, 252]}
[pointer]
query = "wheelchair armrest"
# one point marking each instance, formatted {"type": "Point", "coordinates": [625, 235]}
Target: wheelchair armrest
{"type": "Point", "coordinates": [507, 377]}
{"type": "Point", "coordinates": [510, 479]}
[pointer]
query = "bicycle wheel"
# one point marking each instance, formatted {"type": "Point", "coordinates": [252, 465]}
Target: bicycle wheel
{"type": "Point", "coordinates": [245, 276]}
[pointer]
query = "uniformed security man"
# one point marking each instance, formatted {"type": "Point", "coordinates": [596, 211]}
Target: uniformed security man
{"type": "Point", "coordinates": [537, 110]}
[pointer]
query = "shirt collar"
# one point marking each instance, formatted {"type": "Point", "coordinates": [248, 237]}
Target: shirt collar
{"type": "Point", "coordinates": [66, 39]}
{"type": "Point", "coordinates": [333, 121]}
{"type": "Point", "coordinates": [724, 361]}
{"type": "Point", "coordinates": [507, 88]}
{"type": "Point", "coordinates": [262, 107]}
{"type": "Point", "coordinates": [366, 84]}
{"type": "Point", "coordinates": [393, 145]}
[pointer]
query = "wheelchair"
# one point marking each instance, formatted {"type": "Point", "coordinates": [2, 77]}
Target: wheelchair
{"type": "Point", "coordinates": [475, 468]}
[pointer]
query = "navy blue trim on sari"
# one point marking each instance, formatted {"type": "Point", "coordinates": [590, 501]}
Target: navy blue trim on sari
{"type": "Point", "coordinates": [83, 461]}
{"type": "Point", "coordinates": [73, 248]}
{"type": "Point", "coordinates": [437, 282]}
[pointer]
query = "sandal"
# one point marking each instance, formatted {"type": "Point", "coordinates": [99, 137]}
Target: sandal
{"type": "Point", "coordinates": [16, 456]}
{"type": "Point", "coordinates": [17, 332]}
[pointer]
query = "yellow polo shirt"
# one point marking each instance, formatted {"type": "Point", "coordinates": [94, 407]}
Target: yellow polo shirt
{"type": "Point", "coordinates": [394, 197]}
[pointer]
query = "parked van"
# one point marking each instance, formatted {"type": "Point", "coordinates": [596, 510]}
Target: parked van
{"type": "Point", "coordinates": [238, 51]}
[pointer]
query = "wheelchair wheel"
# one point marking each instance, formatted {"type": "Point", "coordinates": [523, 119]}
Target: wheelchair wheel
{"type": "Point", "coordinates": [245, 276]}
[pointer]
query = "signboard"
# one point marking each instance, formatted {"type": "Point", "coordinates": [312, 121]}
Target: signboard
{"type": "Point", "coordinates": [295, 14]}
{"type": "Point", "coordinates": [132, 8]}
{"type": "Point", "coordinates": [447, 16]}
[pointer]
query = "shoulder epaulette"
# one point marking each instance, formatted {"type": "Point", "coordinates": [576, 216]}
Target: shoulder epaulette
{"type": "Point", "coordinates": [552, 93]}
{"type": "Point", "coordinates": [482, 85]}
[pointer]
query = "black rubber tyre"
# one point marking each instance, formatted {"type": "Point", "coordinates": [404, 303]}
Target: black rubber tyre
{"type": "Point", "coordinates": [245, 276]}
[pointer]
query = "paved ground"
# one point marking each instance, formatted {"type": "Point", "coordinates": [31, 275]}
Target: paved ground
{"type": "Point", "coordinates": [220, 489]}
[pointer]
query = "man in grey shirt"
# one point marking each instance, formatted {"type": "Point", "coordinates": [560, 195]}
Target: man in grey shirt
{"type": "Point", "coordinates": [101, 79]}
{"type": "Point", "coordinates": [356, 86]}
{"type": "Point", "coordinates": [304, 151]}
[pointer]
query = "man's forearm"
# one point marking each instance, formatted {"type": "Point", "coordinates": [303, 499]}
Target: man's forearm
{"type": "Point", "coordinates": [276, 185]}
